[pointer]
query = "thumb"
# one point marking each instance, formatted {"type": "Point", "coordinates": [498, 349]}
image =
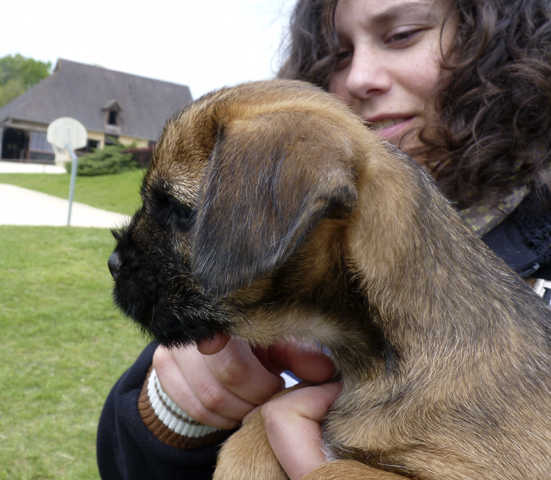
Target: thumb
{"type": "Point", "coordinates": [292, 425]}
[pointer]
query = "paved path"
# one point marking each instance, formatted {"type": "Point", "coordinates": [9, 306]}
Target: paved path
{"type": "Point", "coordinates": [20, 206]}
{"type": "Point", "coordinates": [16, 167]}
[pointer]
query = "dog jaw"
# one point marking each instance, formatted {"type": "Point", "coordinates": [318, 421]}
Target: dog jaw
{"type": "Point", "coordinates": [163, 301]}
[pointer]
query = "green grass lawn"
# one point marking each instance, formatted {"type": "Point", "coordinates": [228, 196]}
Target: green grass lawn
{"type": "Point", "coordinates": [63, 342]}
{"type": "Point", "coordinates": [117, 193]}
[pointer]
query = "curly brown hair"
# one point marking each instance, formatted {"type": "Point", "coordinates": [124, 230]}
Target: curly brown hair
{"type": "Point", "coordinates": [311, 53]}
{"type": "Point", "coordinates": [491, 131]}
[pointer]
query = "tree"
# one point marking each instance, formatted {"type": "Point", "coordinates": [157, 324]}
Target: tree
{"type": "Point", "coordinates": [18, 74]}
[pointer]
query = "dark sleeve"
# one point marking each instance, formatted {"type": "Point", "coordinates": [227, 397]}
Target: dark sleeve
{"type": "Point", "coordinates": [126, 449]}
{"type": "Point", "coordinates": [523, 240]}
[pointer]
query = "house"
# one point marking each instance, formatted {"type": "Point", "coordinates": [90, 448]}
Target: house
{"type": "Point", "coordinates": [111, 105]}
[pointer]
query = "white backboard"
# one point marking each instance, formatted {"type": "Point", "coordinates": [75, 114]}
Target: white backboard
{"type": "Point", "coordinates": [66, 132]}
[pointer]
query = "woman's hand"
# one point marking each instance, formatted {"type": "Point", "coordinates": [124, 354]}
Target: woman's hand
{"type": "Point", "coordinates": [292, 422]}
{"type": "Point", "coordinates": [218, 382]}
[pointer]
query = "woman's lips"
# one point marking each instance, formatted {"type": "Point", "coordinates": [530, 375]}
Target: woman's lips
{"type": "Point", "coordinates": [391, 129]}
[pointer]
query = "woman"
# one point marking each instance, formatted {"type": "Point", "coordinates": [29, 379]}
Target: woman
{"type": "Point", "coordinates": [464, 86]}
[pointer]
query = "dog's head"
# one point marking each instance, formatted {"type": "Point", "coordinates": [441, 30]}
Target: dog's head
{"type": "Point", "coordinates": [244, 208]}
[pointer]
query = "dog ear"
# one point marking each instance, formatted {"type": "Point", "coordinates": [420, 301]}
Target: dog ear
{"type": "Point", "coordinates": [270, 180]}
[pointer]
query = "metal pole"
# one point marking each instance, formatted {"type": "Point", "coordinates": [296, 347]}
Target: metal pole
{"type": "Point", "coordinates": [73, 180]}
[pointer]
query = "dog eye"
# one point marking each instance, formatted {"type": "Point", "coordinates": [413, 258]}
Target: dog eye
{"type": "Point", "coordinates": [170, 213]}
{"type": "Point", "coordinates": [177, 216]}
{"type": "Point", "coordinates": [182, 217]}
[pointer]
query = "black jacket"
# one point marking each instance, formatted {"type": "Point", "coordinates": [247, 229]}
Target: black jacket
{"type": "Point", "coordinates": [523, 240]}
{"type": "Point", "coordinates": [126, 449]}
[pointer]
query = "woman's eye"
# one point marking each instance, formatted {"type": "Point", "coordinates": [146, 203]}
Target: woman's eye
{"type": "Point", "coordinates": [343, 59]}
{"type": "Point", "coordinates": [402, 39]}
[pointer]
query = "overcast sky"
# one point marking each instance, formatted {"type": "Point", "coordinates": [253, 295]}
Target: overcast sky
{"type": "Point", "coordinates": [204, 44]}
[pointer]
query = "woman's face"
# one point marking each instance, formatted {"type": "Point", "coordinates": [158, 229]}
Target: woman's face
{"type": "Point", "coordinates": [389, 61]}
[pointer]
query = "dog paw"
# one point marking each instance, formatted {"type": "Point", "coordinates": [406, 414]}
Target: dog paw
{"type": "Point", "coordinates": [247, 455]}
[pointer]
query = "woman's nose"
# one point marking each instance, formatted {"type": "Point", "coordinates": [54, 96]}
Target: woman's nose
{"type": "Point", "coordinates": [369, 74]}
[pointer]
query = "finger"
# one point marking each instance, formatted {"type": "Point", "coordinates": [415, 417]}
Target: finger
{"type": "Point", "coordinates": [306, 363]}
{"type": "Point", "coordinates": [239, 370]}
{"type": "Point", "coordinates": [213, 345]}
{"type": "Point", "coordinates": [202, 374]}
{"type": "Point", "coordinates": [215, 406]}
{"type": "Point", "coordinates": [292, 426]}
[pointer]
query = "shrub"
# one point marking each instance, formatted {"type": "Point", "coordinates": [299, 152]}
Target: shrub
{"type": "Point", "coordinates": [104, 161]}
{"type": "Point", "coordinates": [141, 155]}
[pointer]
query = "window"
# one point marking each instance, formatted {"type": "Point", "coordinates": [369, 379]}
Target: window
{"type": "Point", "coordinates": [39, 143]}
{"type": "Point", "coordinates": [91, 145]}
{"type": "Point", "coordinates": [111, 139]}
{"type": "Point", "coordinates": [112, 117]}
{"type": "Point", "coordinates": [39, 148]}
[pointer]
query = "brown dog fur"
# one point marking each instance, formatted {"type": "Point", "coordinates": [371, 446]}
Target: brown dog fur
{"type": "Point", "coordinates": [271, 212]}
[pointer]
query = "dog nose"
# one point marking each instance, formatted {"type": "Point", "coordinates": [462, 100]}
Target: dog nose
{"type": "Point", "coordinates": [114, 264]}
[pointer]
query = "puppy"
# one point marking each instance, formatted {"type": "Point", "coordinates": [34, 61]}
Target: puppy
{"type": "Point", "coordinates": [271, 212]}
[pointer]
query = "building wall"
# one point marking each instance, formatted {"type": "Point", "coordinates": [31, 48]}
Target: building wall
{"type": "Point", "coordinates": [140, 142]}
{"type": "Point", "coordinates": [62, 156]}
{"type": "Point", "coordinates": [34, 146]}
{"type": "Point", "coordinates": [100, 138]}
